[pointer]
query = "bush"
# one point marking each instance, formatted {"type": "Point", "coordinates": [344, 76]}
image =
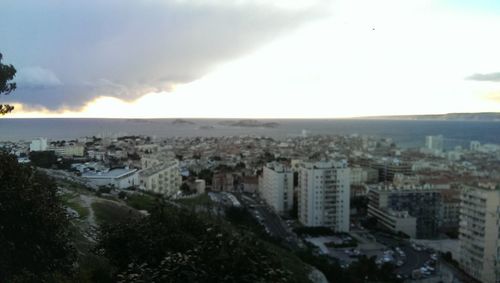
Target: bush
{"type": "Point", "coordinates": [34, 235]}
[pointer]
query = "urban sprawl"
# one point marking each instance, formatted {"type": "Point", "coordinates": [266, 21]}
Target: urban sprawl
{"type": "Point", "coordinates": [433, 213]}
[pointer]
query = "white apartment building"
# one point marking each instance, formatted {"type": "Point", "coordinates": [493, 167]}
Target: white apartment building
{"type": "Point", "coordinates": [276, 186]}
{"type": "Point", "coordinates": [69, 150]}
{"type": "Point", "coordinates": [434, 143]}
{"type": "Point", "coordinates": [39, 144]}
{"type": "Point", "coordinates": [163, 178]}
{"type": "Point", "coordinates": [324, 191]}
{"type": "Point", "coordinates": [479, 233]}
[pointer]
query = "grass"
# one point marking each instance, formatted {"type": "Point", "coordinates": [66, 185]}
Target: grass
{"type": "Point", "coordinates": [141, 202]}
{"type": "Point", "coordinates": [291, 262]}
{"type": "Point", "coordinates": [74, 186]}
{"type": "Point", "coordinates": [109, 212]}
{"type": "Point", "coordinates": [83, 212]}
{"type": "Point", "coordinates": [200, 200]}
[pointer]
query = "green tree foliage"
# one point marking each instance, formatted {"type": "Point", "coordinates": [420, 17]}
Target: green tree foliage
{"type": "Point", "coordinates": [34, 239]}
{"type": "Point", "coordinates": [7, 73]}
{"type": "Point", "coordinates": [44, 159]}
{"type": "Point", "coordinates": [207, 175]}
{"type": "Point", "coordinates": [185, 189]}
{"type": "Point", "coordinates": [177, 245]}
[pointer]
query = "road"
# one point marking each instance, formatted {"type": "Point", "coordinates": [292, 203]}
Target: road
{"type": "Point", "coordinates": [269, 219]}
{"type": "Point", "coordinates": [414, 259]}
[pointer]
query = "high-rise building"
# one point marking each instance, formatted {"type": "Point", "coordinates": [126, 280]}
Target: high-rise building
{"type": "Point", "coordinates": [474, 145]}
{"type": "Point", "coordinates": [434, 143]}
{"type": "Point", "coordinates": [162, 178]}
{"type": "Point", "coordinates": [276, 186]}
{"type": "Point", "coordinates": [39, 144]}
{"type": "Point", "coordinates": [324, 190]}
{"type": "Point", "coordinates": [413, 210]}
{"type": "Point", "coordinates": [479, 233]}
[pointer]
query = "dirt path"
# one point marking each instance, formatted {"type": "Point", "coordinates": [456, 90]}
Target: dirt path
{"type": "Point", "coordinates": [87, 202]}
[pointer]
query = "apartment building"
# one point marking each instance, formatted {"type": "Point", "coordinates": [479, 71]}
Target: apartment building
{"type": "Point", "coordinates": [324, 190]}
{"type": "Point", "coordinates": [276, 186]}
{"type": "Point", "coordinates": [162, 178]}
{"type": "Point", "coordinates": [479, 233]}
{"type": "Point", "coordinates": [413, 210]}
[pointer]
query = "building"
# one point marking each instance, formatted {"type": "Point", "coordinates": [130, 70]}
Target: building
{"type": "Point", "coordinates": [250, 184]}
{"type": "Point", "coordinates": [222, 181]}
{"type": "Point", "coordinates": [162, 178]}
{"type": "Point", "coordinates": [434, 143]}
{"type": "Point", "coordinates": [120, 178]}
{"type": "Point", "coordinates": [276, 187]}
{"type": "Point", "coordinates": [39, 144]}
{"type": "Point", "coordinates": [387, 168]}
{"type": "Point", "coordinates": [474, 145]}
{"type": "Point", "coordinates": [69, 150]}
{"type": "Point", "coordinates": [324, 190]}
{"type": "Point", "coordinates": [450, 210]}
{"type": "Point", "coordinates": [394, 208]}
{"type": "Point", "coordinates": [199, 186]}
{"type": "Point", "coordinates": [479, 233]}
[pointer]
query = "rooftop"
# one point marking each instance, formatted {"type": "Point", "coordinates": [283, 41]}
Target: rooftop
{"type": "Point", "coordinates": [113, 173]}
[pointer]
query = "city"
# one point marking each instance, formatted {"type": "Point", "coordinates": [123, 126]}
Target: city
{"type": "Point", "coordinates": [430, 212]}
{"type": "Point", "coordinates": [250, 141]}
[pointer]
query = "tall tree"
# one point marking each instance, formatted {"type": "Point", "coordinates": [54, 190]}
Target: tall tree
{"type": "Point", "coordinates": [34, 237]}
{"type": "Point", "coordinates": [7, 73]}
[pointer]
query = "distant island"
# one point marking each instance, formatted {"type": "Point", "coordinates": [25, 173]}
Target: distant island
{"type": "Point", "coordinates": [139, 120]}
{"type": "Point", "coordinates": [182, 122]}
{"type": "Point", "coordinates": [481, 116]}
{"type": "Point", "coordinates": [206, 127]}
{"type": "Point", "coordinates": [249, 124]}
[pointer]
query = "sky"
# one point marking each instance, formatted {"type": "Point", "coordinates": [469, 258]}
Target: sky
{"type": "Point", "coordinates": [251, 58]}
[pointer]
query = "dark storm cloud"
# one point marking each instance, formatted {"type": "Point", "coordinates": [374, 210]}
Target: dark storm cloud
{"type": "Point", "coordinates": [488, 77]}
{"type": "Point", "coordinates": [69, 52]}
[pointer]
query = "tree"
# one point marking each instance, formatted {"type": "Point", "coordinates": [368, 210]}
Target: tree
{"type": "Point", "coordinates": [45, 159]}
{"type": "Point", "coordinates": [179, 245]}
{"type": "Point", "coordinates": [34, 235]}
{"type": "Point", "coordinates": [185, 189]}
{"type": "Point", "coordinates": [7, 73]}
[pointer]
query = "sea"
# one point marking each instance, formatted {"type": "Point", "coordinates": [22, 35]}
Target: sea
{"type": "Point", "coordinates": [406, 133]}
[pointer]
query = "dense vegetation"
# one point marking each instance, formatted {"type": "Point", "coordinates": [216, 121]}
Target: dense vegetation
{"type": "Point", "coordinates": [7, 73]}
{"type": "Point", "coordinates": [178, 245]}
{"type": "Point", "coordinates": [34, 238]}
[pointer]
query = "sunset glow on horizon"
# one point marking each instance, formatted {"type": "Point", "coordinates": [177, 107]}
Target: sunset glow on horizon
{"type": "Point", "coordinates": [339, 59]}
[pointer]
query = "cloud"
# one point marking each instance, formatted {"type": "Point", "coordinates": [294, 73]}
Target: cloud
{"type": "Point", "coordinates": [125, 48]}
{"type": "Point", "coordinates": [36, 77]}
{"type": "Point", "coordinates": [487, 77]}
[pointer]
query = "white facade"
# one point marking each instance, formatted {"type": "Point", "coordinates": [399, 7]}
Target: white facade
{"type": "Point", "coordinates": [474, 145]}
{"type": "Point", "coordinates": [118, 178]}
{"type": "Point", "coordinates": [479, 233]}
{"type": "Point", "coordinates": [276, 187]}
{"type": "Point", "coordinates": [359, 176]}
{"type": "Point", "coordinates": [163, 178]}
{"type": "Point", "coordinates": [39, 144]}
{"type": "Point", "coordinates": [434, 143]}
{"type": "Point", "coordinates": [199, 185]}
{"type": "Point", "coordinates": [69, 150]}
{"type": "Point", "coordinates": [324, 191]}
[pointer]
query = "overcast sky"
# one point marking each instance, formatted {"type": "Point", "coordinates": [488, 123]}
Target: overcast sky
{"type": "Point", "coordinates": [251, 58]}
